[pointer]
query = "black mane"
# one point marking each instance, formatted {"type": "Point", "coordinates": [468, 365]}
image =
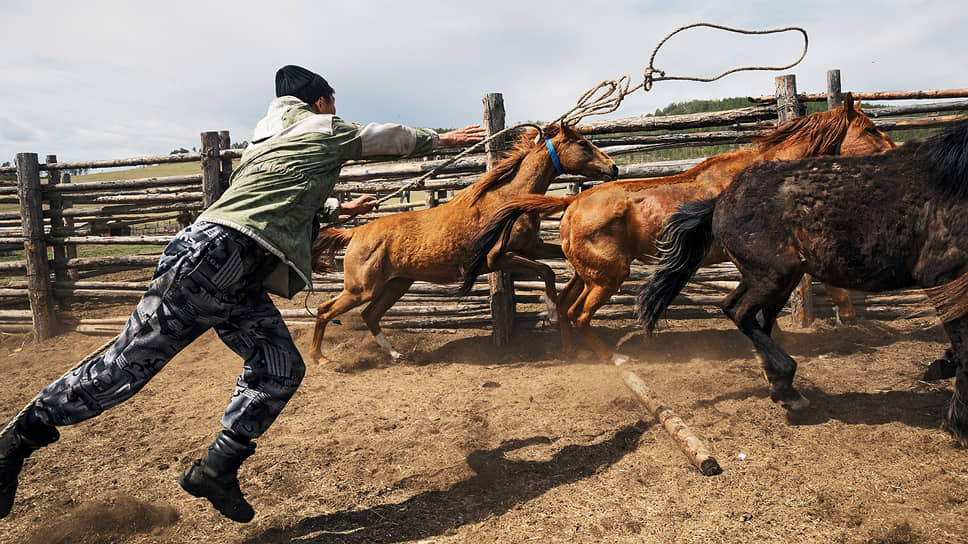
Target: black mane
{"type": "Point", "coordinates": [947, 154]}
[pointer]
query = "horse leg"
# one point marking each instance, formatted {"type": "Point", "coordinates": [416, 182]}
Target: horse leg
{"type": "Point", "coordinates": [753, 307]}
{"type": "Point", "coordinates": [546, 250]}
{"type": "Point", "coordinates": [594, 298]}
{"type": "Point", "coordinates": [956, 421]}
{"type": "Point", "coordinates": [325, 313]}
{"type": "Point", "coordinates": [382, 301]}
{"type": "Point", "coordinates": [842, 305]}
{"type": "Point", "coordinates": [515, 262]}
{"type": "Point", "coordinates": [568, 295]}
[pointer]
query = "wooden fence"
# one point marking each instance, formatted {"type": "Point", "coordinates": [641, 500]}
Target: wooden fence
{"type": "Point", "coordinates": [57, 216]}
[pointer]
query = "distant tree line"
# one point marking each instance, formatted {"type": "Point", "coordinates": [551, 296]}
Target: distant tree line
{"type": "Point", "coordinates": [235, 145]}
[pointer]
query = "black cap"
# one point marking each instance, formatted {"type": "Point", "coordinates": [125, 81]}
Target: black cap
{"type": "Point", "coordinates": [297, 81]}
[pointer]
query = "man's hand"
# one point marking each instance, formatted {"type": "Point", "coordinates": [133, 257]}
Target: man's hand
{"type": "Point", "coordinates": [362, 204]}
{"type": "Point", "coordinates": [462, 136]}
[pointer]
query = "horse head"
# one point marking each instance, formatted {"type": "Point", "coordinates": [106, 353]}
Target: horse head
{"type": "Point", "coordinates": [577, 155]}
{"type": "Point", "coordinates": [862, 136]}
{"type": "Point", "coordinates": [841, 131]}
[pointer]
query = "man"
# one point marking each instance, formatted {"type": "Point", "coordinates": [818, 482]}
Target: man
{"type": "Point", "coordinates": [216, 273]}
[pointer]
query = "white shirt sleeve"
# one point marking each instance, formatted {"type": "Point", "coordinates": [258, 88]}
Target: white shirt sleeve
{"type": "Point", "coordinates": [387, 139]}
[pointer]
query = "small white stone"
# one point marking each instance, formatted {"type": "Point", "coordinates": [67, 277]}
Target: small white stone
{"type": "Point", "coordinates": [741, 456]}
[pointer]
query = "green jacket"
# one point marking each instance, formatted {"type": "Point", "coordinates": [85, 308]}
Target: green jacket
{"type": "Point", "coordinates": [288, 171]}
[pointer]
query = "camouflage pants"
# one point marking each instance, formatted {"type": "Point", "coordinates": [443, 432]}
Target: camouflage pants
{"type": "Point", "coordinates": [209, 277]}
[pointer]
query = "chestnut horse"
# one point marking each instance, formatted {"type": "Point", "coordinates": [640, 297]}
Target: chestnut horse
{"type": "Point", "coordinates": [608, 226]}
{"type": "Point", "coordinates": [878, 223]}
{"type": "Point", "coordinates": [385, 256]}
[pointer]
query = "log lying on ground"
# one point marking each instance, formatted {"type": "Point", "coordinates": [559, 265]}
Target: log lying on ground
{"type": "Point", "coordinates": [690, 445]}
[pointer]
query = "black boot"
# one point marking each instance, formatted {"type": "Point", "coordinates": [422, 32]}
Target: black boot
{"type": "Point", "coordinates": [216, 476]}
{"type": "Point", "coordinates": [27, 435]}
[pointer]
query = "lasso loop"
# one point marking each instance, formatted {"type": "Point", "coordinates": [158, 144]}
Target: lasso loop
{"type": "Point", "coordinates": [608, 95]}
{"type": "Point", "coordinates": [651, 69]}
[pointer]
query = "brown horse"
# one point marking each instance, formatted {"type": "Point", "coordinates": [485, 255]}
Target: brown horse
{"type": "Point", "coordinates": [385, 256]}
{"type": "Point", "coordinates": [608, 226]}
{"type": "Point", "coordinates": [877, 223]}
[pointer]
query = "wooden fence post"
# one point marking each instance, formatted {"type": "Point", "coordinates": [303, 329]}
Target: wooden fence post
{"type": "Point", "coordinates": [58, 228]}
{"type": "Point", "coordinates": [211, 180]}
{"type": "Point", "coordinates": [835, 98]}
{"type": "Point", "coordinates": [574, 188]}
{"type": "Point", "coordinates": [788, 107]}
{"type": "Point", "coordinates": [35, 246]}
{"type": "Point", "coordinates": [225, 165]}
{"type": "Point", "coordinates": [502, 286]}
{"type": "Point", "coordinates": [430, 199]}
{"type": "Point", "coordinates": [71, 249]}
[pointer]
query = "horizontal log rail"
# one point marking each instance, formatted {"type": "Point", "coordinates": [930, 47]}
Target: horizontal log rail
{"type": "Point", "coordinates": [672, 122]}
{"type": "Point", "coordinates": [140, 199]}
{"type": "Point", "coordinates": [918, 122]}
{"type": "Point", "coordinates": [99, 212]}
{"type": "Point", "coordinates": [110, 240]}
{"type": "Point", "coordinates": [879, 95]}
{"type": "Point", "coordinates": [405, 169]}
{"type": "Point", "coordinates": [147, 160]}
{"type": "Point", "coordinates": [912, 109]}
{"type": "Point", "coordinates": [140, 183]}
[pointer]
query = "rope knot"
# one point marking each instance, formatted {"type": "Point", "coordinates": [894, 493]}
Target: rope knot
{"type": "Point", "coordinates": [647, 77]}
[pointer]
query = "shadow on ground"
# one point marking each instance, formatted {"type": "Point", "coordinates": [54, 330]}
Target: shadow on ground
{"type": "Point", "coordinates": [923, 408]}
{"type": "Point", "coordinates": [498, 485]}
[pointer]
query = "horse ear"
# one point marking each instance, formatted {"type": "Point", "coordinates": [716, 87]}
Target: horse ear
{"type": "Point", "coordinates": [567, 130]}
{"type": "Point", "coordinates": [570, 131]}
{"type": "Point", "coordinates": [848, 101]}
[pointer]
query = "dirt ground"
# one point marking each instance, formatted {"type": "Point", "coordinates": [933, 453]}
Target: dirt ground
{"type": "Point", "coordinates": [467, 443]}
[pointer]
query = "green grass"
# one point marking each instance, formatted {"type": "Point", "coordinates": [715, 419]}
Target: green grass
{"type": "Point", "coordinates": [158, 170]}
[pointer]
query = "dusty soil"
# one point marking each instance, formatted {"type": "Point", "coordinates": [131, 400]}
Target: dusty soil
{"type": "Point", "coordinates": [467, 443]}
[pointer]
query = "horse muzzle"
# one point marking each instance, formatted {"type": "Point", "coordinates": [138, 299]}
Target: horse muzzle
{"type": "Point", "coordinates": [610, 174]}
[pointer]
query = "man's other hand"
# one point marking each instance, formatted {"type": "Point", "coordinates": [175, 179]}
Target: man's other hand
{"type": "Point", "coordinates": [462, 136]}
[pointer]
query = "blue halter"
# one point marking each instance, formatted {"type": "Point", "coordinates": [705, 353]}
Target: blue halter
{"type": "Point", "coordinates": [554, 157]}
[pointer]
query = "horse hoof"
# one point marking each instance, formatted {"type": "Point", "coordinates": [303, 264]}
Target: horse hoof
{"type": "Point", "coordinates": [618, 359]}
{"type": "Point", "coordinates": [789, 398]}
{"type": "Point", "coordinates": [320, 360]}
{"type": "Point", "coordinates": [940, 369]}
{"type": "Point", "coordinates": [795, 405]}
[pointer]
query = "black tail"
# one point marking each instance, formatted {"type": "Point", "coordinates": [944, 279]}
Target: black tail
{"type": "Point", "coordinates": [497, 231]}
{"type": "Point", "coordinates": [683, 244]}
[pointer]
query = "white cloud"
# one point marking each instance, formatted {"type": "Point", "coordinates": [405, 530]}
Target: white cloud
{"type": "Point", "coordinates": [112, 79]}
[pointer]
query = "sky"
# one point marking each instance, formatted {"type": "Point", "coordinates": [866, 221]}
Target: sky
{"type": "Point", "coordinates": [108, 79]}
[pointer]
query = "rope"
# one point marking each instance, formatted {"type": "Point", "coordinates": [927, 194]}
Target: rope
{"type": "Point", "coordinates": [93, 355]}
{"type": "Point", "coordinates": [418, 183]}
{"type": "Point", "coordinates": [607, 96]}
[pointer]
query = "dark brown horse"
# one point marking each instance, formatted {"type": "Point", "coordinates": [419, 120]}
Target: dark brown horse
{"type": "Point", "coordinates": [385, 256]}
{"type": "Point", "coordinates": [888, 221]}
{"type": "Point", "coordinates": [608, 226]}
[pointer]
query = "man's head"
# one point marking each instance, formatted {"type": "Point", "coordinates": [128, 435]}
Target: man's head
{"type": "Point", "coordinates": [307, 86]}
